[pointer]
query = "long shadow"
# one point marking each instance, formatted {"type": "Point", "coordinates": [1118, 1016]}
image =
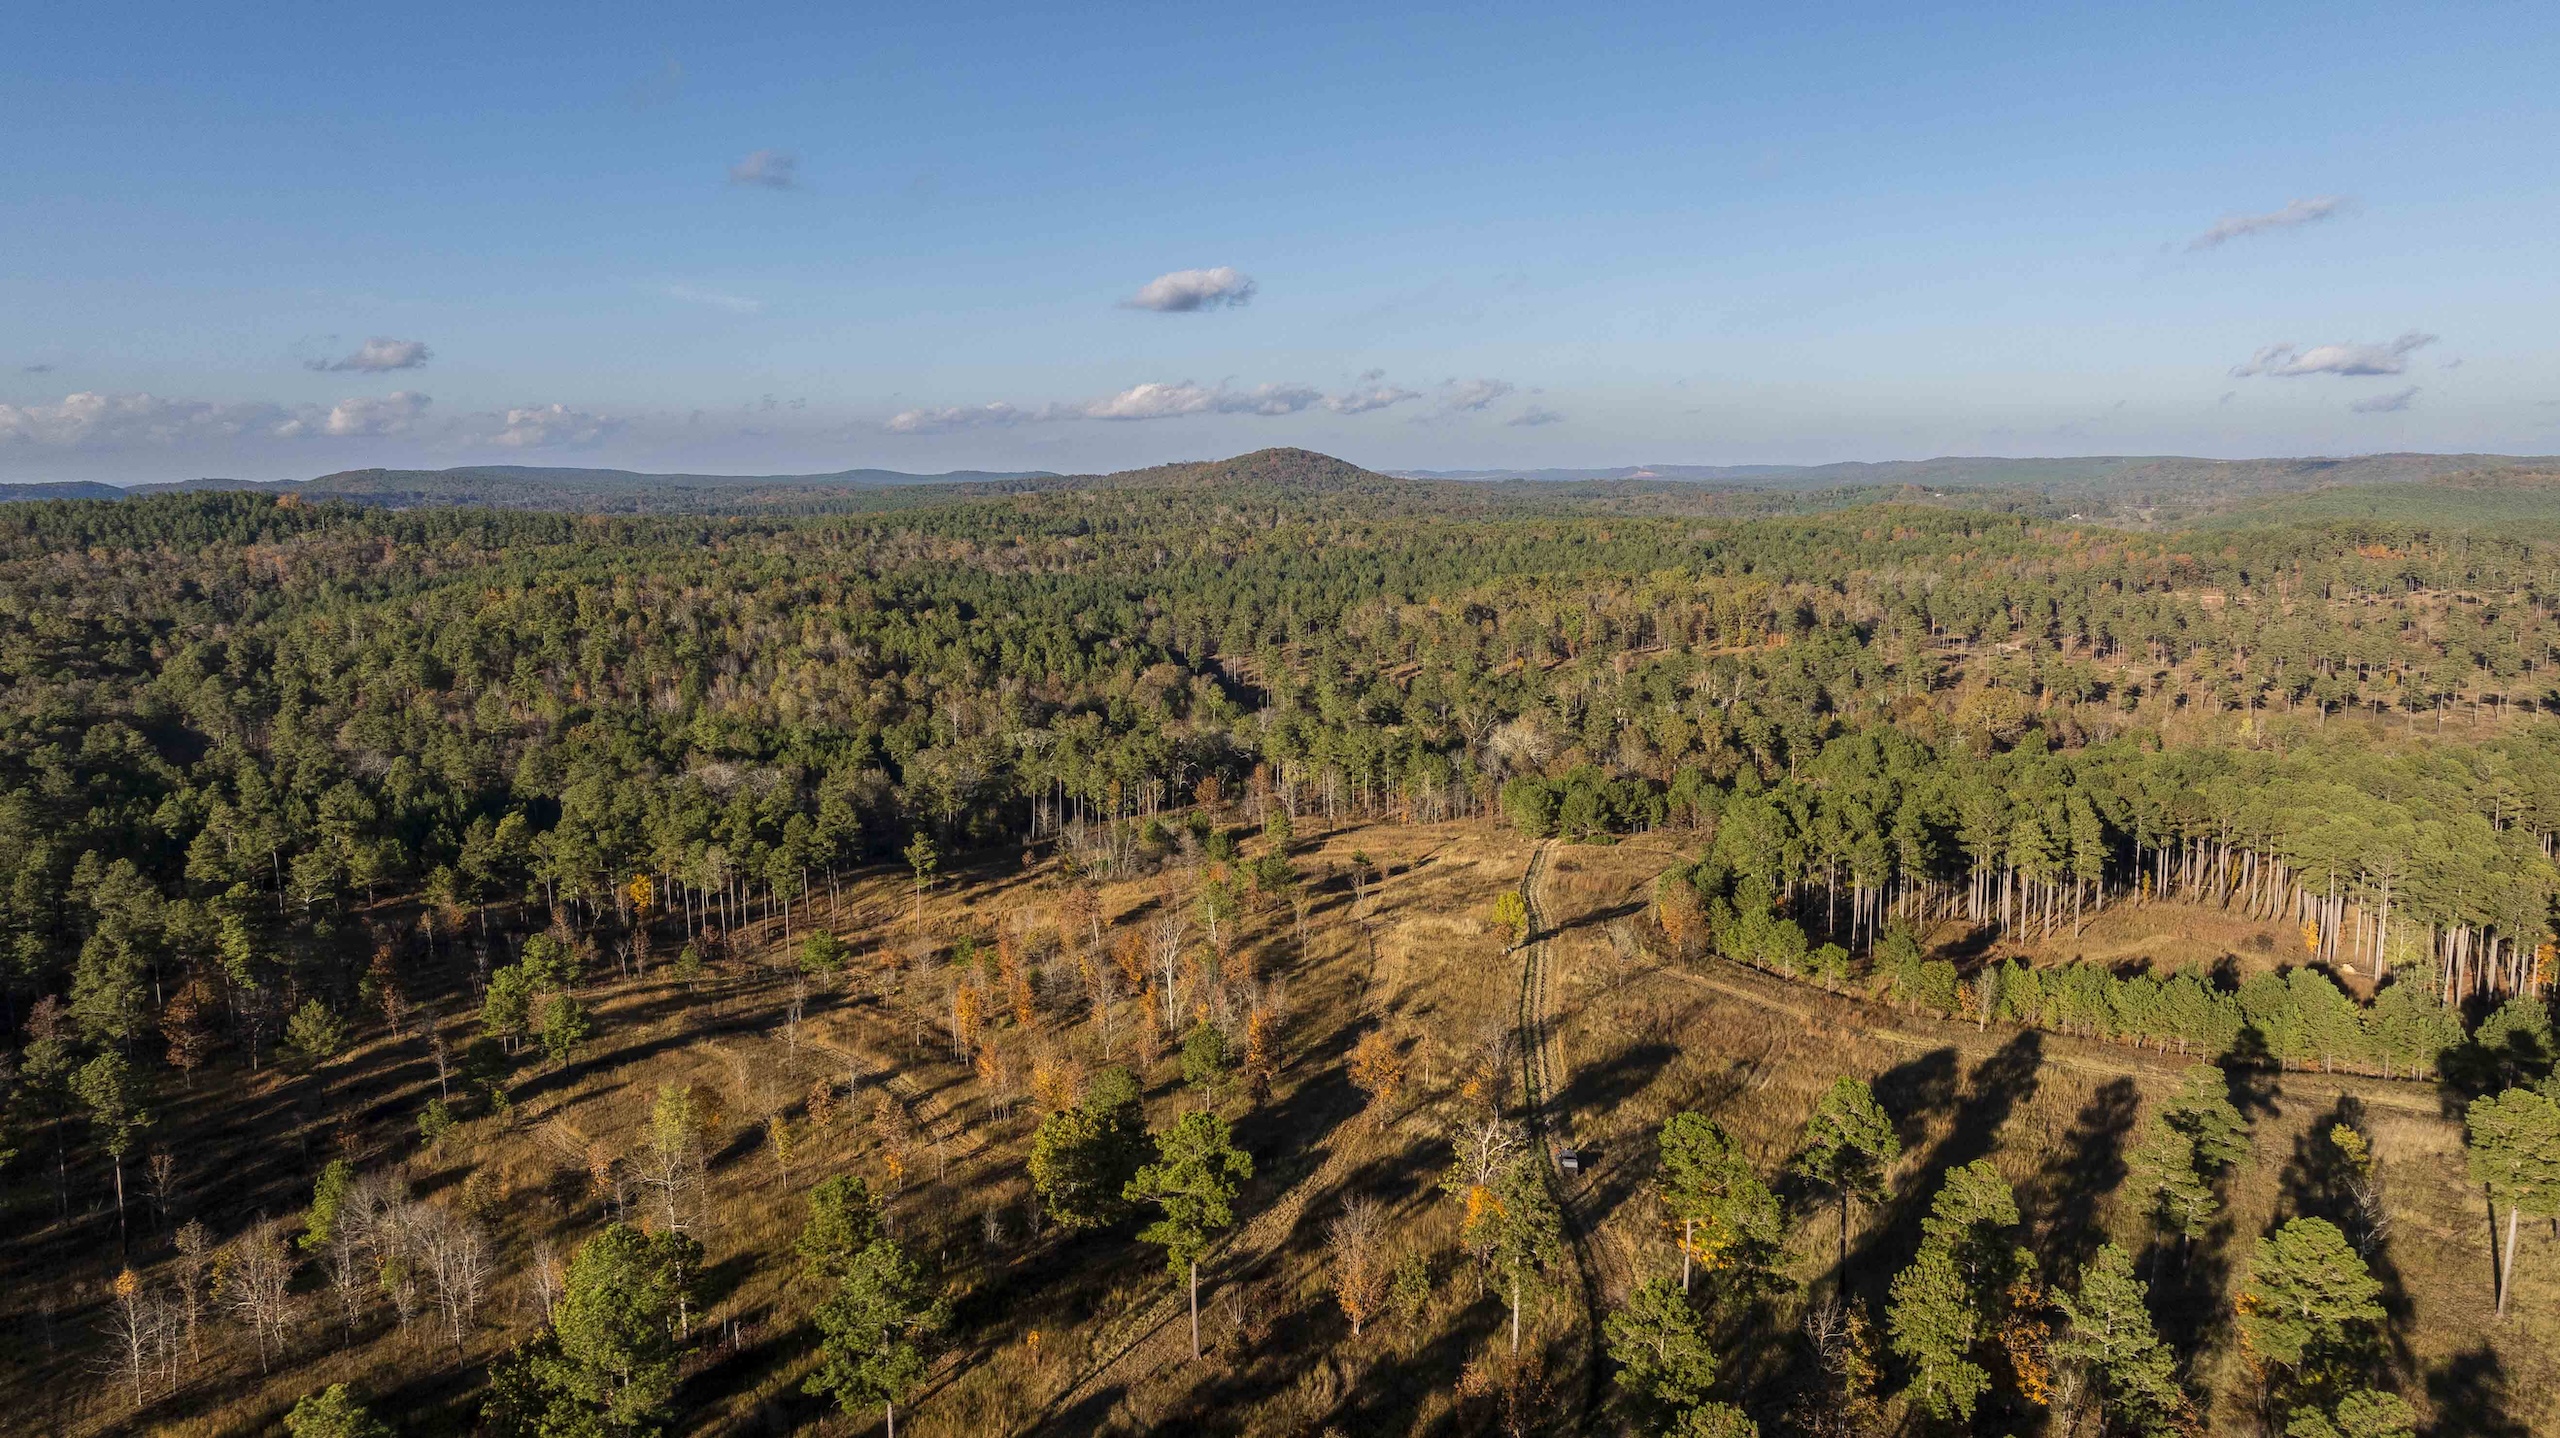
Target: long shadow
{"type": "Point", "coordinates": [2471, 1399]}
{"type": "Point", "coordinates": [2190, 1287]}
{"type": "Point", "coordinates": [2317, 1182]}
{"type": "Point", "coordinates": [2064, 1199]}
{"type": "Point", "coordinates": [2252, 1077]}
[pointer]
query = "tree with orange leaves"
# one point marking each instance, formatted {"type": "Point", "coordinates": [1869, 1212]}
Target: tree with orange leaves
{"type": "Point", "coordinates": [968, 1017]}
{"type": "Point", "coordinates": [1261, 1053]}
{"type": "Point", "coordinates": [1377, 1070]}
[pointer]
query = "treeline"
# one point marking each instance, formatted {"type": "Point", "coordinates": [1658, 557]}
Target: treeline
{"type": "Point", "coordinates": [2369, 859]}
{"type": "Point", "coordinates": [231, 725]}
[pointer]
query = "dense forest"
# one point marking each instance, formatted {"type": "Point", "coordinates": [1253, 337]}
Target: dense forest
{"type": "Point", "coordinates": [256, 750]}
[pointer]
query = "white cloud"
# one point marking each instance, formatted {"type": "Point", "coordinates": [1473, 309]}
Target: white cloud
{"type": "Point", "coordinates": [105, 421]}
{"type": "Point", "coordinates": [734, 304]}
{"type": "Point", "coordinates": [771, 169]}
{"type": "Point", "coordinates": [2391, 403]}
{"type": "Point", "coordinates": [1373, 396]}
{"type": "Point", "coordinates": [1534, 416]}
{"type": "Point", "coordinates": [1172, 401]}
{"type": "Point", "coordinates": [1186, 290]}
{"type": "Point", "coordinates": [944, 421]}
{"type": "Point", "coordinates": [89, 421]}
{"type": "Point", "coordinates": [363, 417]}
{"type": "Point", "coordinates": [1155, 399]}
{"type": "Point", "coordinates": [380, 355]}
{"type": "Point", "coordinates": [2340, 359]}
{"type": "Point", "coordinates": [2292, 216]}
{"type": "Point", "coordinates": [543, 426]}
{"type": "Point", "coordinates": [1473, 394]}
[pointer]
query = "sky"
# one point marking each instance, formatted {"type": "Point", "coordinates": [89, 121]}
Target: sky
{"type": "Point", "coordinates": [279, 241]}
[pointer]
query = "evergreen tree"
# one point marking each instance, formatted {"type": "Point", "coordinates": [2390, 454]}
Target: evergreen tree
{"type": "Point", "coordinates": [1660, 1347]}
{"type": "Point", "coordinates": [1934, 1327]}
{"type": "Point", "coordinates": [1848, 1143]}
{"type": "Point", "coordinates": [873, 1331]}
{"type": "Point", "coordinates": [333, 1412]}
{"type": "Point", "coordinates": [1082, 1158]}
{"type": "Point", "coordinates": [1193, 1181]}
{"type": "Point", "coordinates": [844, 1219]}
{"type": "Point", "coordinates": [1727, 1215]}
{"type": "Point", "coordinates": [2309, 1304]}
{"type": "Point", "coordinates": [2108, 1333]}
{"type": "Point", "coordinates": [2514, 1140]}
{"type": "Point", "coordinates": [609, 1363]}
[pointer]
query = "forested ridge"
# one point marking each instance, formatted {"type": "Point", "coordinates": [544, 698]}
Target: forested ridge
{"type": "Point", "coordinates": [253, 749]}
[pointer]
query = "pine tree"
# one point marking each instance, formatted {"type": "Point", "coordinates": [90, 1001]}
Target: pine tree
{"type": "Point", "coordinates": [1932, 1319]}
{"type": "Point", "coordinates": [609, 1361]}
{"type": "Point", "coordinates": [109, 1089]}
{"type": "Point", "coordinates": [1848, 1143]}
{"type": "Point", "coordinates": [1660, 1347]}
{"type": "Point", "coordinates": [873, 1331]}
{"type": "Point", "coordinates": [2108, 1333]}
{"type": "Point", "coordinates": [1082, 1158]}
{"type": "Point", "coordinates": [1528, 1232]}
{"type": "Point", "coordinates": [333, 1412]}
{"type": "Point", "coordinates": [2514, 1140]}
{"type": "Point", "coordinates": [844, 1219]}
{"type": "Point", "coordinates": [1727, 1215]}
{"type": "Point", "coordinates": [2162, 1171]}
{"type": "Point", "coordinates": [2309, 1303]}
{"type": "Point", "coordinates": [1193, 1181]}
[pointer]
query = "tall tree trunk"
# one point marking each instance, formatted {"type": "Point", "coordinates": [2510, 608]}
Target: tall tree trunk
{"type": "Point", "coordinates": [1195, 1310]}
{"type": "Point", "coordinates": [2507, 1279]}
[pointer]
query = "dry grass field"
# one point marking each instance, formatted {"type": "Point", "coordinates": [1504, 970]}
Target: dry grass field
{"type": "Point", "coordinates": [1085, 1333]}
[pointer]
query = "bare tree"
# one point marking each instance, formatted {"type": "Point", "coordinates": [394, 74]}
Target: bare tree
{"type": "Point", "coordinates": [1164, 946]}
{"type": "Point", "coordinates": [137, 1329]}
{"type": "Point", "coordinates": [257, 1285]}
{"type": "Point", "coordinates": [194, 1265]}
{"type": "Point", "coordinates": [545, 1277]}
{"type": "Point", "coordinates": [459, 1264]}
{"type": "Point", "coordinates": [163, 1173]}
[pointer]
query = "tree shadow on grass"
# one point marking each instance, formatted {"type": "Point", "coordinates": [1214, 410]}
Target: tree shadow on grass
{"type": "Point", "coordinates": [2063, 1201]}
{"type": "Point", "coordinates": [2471, 1399]}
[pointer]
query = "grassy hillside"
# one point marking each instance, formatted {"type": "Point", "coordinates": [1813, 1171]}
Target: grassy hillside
{"type": "Point", "coordinates": [1082, 1333]}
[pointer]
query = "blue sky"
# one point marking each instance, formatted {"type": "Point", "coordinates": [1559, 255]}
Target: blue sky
{"type": "Point", "coordinates": [911, 236]}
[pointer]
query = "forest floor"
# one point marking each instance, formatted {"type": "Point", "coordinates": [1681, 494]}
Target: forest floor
{"type": "Point", "coordinates": [1086, 1333]}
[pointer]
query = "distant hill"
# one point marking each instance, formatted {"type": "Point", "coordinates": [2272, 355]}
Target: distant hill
{"type": "Point", "coordinates": [2118, 475]}
{"type": "Point", "coordinates": [1293, 471]}
{"type": "Point", "coordinates": [67, 489]}
{"type": "Point", "coordinates": [2511, 501]}
{"type": "Point", "coordinates": [508, 486]}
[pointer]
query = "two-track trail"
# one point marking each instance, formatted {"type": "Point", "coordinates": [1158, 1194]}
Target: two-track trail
{"type": "Point", "coordinates": [1541, 1064]}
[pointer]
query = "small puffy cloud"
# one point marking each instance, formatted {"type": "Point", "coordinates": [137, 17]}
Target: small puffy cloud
{"type": "Point", "coordinates": [380, 355]}
{"type": "Point", "coordinates": [2391, 403]}
{"type": "Point", "coordinates": [1172, 401]}
{"type": "Point", "coordinates": [1369, 396]}
{"type": "Point", "coordinates": [2292, 216]}
{"type": "Point", "coordinates": [367, 416]}
{"type": "Point", "coordinates": [1534, 416]}
{"type": "Point", "coordinates": [1186, 290]}
{"type": "Point", "coordinates": [544, 426]}
{"type": "Point", "coordinates": [958, 417]}
{"type": "Point", "coordinates": [1459, 396]}
{"type": "Point", "coordinates": [2287, 361]}
{"type": "Point", "coordinates": [35, 369]}
{"type": "Point", "coordinates": [769, 169]}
